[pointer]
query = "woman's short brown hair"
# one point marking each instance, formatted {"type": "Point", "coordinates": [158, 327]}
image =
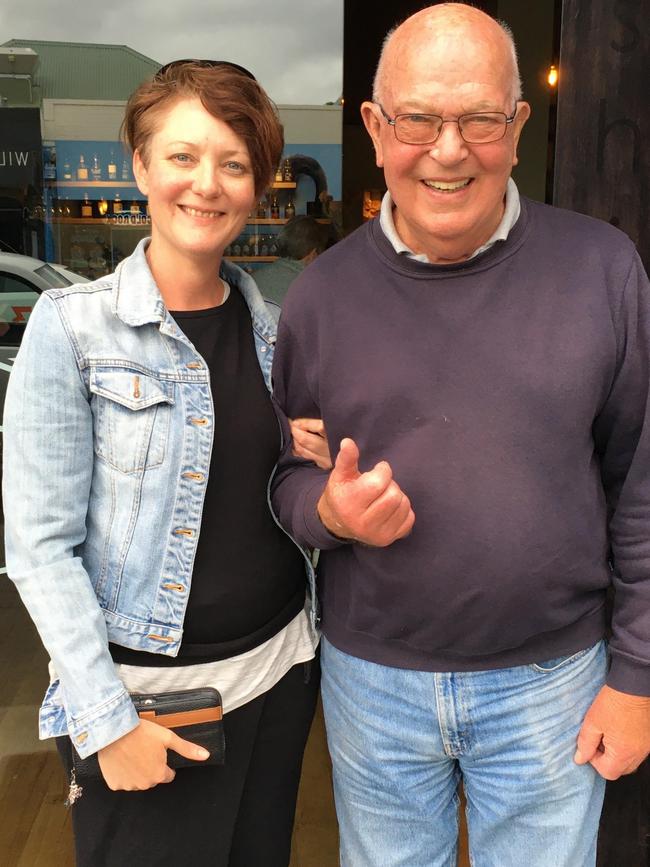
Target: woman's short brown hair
{"type": "Point", "coordinates": [227, 93]}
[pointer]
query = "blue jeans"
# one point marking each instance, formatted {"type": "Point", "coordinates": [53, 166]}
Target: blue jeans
{"type": "Point", "coordinates": [402, 740]}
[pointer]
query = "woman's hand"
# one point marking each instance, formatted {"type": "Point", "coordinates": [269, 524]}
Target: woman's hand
{"type": "Point", "coordinates": [310, 441]}
{"type": "Point", "coordinates": [138, 760]}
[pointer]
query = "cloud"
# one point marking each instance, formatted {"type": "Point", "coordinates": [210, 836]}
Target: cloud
{"type": "Point", "coordinates": [294, 49]}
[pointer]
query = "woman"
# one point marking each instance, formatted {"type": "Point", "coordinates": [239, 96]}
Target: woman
{"type": "Point", "coordinates": [139, 442]}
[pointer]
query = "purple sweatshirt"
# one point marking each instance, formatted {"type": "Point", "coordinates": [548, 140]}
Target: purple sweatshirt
{"type": "Point", "coordinates": [509, 393]}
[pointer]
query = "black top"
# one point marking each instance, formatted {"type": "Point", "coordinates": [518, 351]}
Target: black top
{"type": "Point", "coordinates": [248, 580]}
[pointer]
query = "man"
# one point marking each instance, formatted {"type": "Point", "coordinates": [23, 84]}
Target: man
{"type": "Point", "coordinates": [485, 359]}
{"type": "Point", "coordinates": [301, 240]}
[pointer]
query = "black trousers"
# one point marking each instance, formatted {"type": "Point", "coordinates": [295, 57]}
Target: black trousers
{"type": "Point", "coordinates": [238, 815]}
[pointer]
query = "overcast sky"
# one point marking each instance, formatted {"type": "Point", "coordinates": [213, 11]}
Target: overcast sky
{"type": "Point", "coordinates": [294, 48]}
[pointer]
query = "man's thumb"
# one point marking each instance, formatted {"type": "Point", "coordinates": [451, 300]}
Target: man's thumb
{"type": "Point", "coordinates": [589, 740]}
{"type": "Point", "coordinates": [346, 467]}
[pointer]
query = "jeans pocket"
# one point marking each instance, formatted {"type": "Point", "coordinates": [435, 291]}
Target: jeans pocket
{"type": "Point", "coordinates": [550, 665]}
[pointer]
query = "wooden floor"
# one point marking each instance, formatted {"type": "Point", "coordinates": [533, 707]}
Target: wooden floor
{"type": "Point", "coordinates": [35, 828]}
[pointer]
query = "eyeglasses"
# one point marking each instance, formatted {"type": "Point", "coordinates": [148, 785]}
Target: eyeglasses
{"type": "Point", "coordinates": [174, 64]}
{"type": "Point", "coordinates": [476, 128]}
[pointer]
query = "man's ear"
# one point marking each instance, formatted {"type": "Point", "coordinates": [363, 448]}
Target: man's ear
{"type": "Point", "coordinates": [523, 113]}
{"type": "Point", "coordinates": [373, 121]}
{"type": "Point", "coordinates": [140, 173]}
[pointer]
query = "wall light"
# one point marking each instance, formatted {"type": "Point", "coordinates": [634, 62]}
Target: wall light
{"type": "Point", "coordinates": [552, 76]}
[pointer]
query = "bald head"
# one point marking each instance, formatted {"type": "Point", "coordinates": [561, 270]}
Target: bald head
{"type": "Point", "coordinates": [441, 25]}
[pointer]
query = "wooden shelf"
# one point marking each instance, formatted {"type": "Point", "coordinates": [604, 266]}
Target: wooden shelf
{"type": "Point", "coordinates": [257, 221]}
{"type": "Point", "coordinates": [283, 185]}
{"type": "Point", "coordinates": [95, 184]}
{"type": "Point", "coordinates": [101, 221]}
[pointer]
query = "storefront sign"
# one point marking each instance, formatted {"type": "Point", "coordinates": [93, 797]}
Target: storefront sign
{"type": "Point", "coordinates": [127, 219]}
{"type": "Point", "coordinates": [20, 147]}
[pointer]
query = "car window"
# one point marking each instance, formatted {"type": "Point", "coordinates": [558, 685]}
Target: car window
{"type": "Point", "coordinates": [17, 298]}
{"type": "Point", "coordinates": [54, 278]}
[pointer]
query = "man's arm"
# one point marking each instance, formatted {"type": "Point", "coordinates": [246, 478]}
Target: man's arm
{"type": "Point", "coordinates": [320, 510]}
{"type": "Point", "coordinates": [615, 735]}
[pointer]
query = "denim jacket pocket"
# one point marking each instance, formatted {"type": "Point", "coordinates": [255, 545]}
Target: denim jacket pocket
{"type": "Point", "coordinates": [131, 411]}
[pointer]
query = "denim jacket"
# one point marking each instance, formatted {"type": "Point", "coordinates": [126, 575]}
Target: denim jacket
{"type": "Point", "coordinates": [108, 432]}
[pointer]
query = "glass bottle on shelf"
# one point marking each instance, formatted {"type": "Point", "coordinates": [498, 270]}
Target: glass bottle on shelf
{"type": "Point", "coordinates": [125, 170]}
{"type": "Point", "coordinates": [38, 211]}
{"type": "Point", "coordinates": [117, 204]}
{"type": "Point", "coordinates": [264, 245]}
{"type": "Point", "coordinates": [102, 207]}
{"type": "Point", "coordinates": [135, 208]}
{"type": "Point", "coordinates": [278, 175]}
{"type": "Point", "coordinates": [289, 210]}
{"type": "Point", "coordinates": [66, 207]}
{"type": "Point", "coordinates": [287, 174]}
{"type": "Point", "coordinates": [67, 170]}
{"type": "Point", "coordinates": [82, 169]}
{"type": "Point", "coordinates": [261, 209]}
{"type": "Point", "coordinates": [95, 168]}
{"type": "Point", "coordinates": [245, 248]}
{"type": "Point", "coordinates": [273, 246]}
{"type": "Point", "coordinates": [49, 169]}
{"type": "Point", "coordinates": [275, 208]}
{"type": "Point", "coordinates": [111, 168]}
{"type": "Point", "coordinates": [86, 207]}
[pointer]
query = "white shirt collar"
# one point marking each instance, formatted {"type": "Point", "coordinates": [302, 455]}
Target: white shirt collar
{"type": "Point", "coordinates": [510, 217]}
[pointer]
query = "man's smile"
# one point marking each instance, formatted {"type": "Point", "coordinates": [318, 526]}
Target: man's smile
{"type": "Point", "coordinates": [448, 186]}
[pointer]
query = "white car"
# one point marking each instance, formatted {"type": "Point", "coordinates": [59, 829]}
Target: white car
{"type": "Point", "coordinates": [22, 279]}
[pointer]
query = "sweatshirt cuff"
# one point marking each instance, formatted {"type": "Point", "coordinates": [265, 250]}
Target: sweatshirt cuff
{"type": "Point", "coordinates": [316, 532]}
{"type": "Point", "coordinates": [629, 675]}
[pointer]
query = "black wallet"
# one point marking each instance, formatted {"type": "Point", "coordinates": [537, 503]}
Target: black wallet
{"type": "Point", "coordinates": [193, 714]}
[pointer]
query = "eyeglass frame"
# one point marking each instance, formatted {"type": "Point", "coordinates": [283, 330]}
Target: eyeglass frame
{"type": "Point", "coordinates": [208, 64]}
{"type": "Point", "coordinates": [392, 121]}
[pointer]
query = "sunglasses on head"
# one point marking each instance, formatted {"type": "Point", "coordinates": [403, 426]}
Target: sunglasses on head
{"type": "Point", "coordinates": [176, 64]}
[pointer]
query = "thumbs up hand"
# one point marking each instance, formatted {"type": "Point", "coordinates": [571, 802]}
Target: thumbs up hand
{"type": "Point", "coordinates": [365, 507]}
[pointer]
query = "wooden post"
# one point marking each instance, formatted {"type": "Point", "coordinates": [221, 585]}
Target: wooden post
{"type": "Point", "coordinates": [602, 153]}
{"type": "Point", "coordinates": [602, 168]}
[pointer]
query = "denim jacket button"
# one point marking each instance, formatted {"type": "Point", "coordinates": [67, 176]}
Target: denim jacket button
{"type": "Point", "coordinates": [155, 637]}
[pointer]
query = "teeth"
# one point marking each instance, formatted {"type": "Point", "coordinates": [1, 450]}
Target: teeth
{"type": "Point", "coordinates": [193, 212]}
{"type": "Point", "coordinates": [446, 187]}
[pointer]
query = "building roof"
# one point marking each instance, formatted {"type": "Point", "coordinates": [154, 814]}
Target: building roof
{"type": "Point", "coordinates": [80, 70]}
